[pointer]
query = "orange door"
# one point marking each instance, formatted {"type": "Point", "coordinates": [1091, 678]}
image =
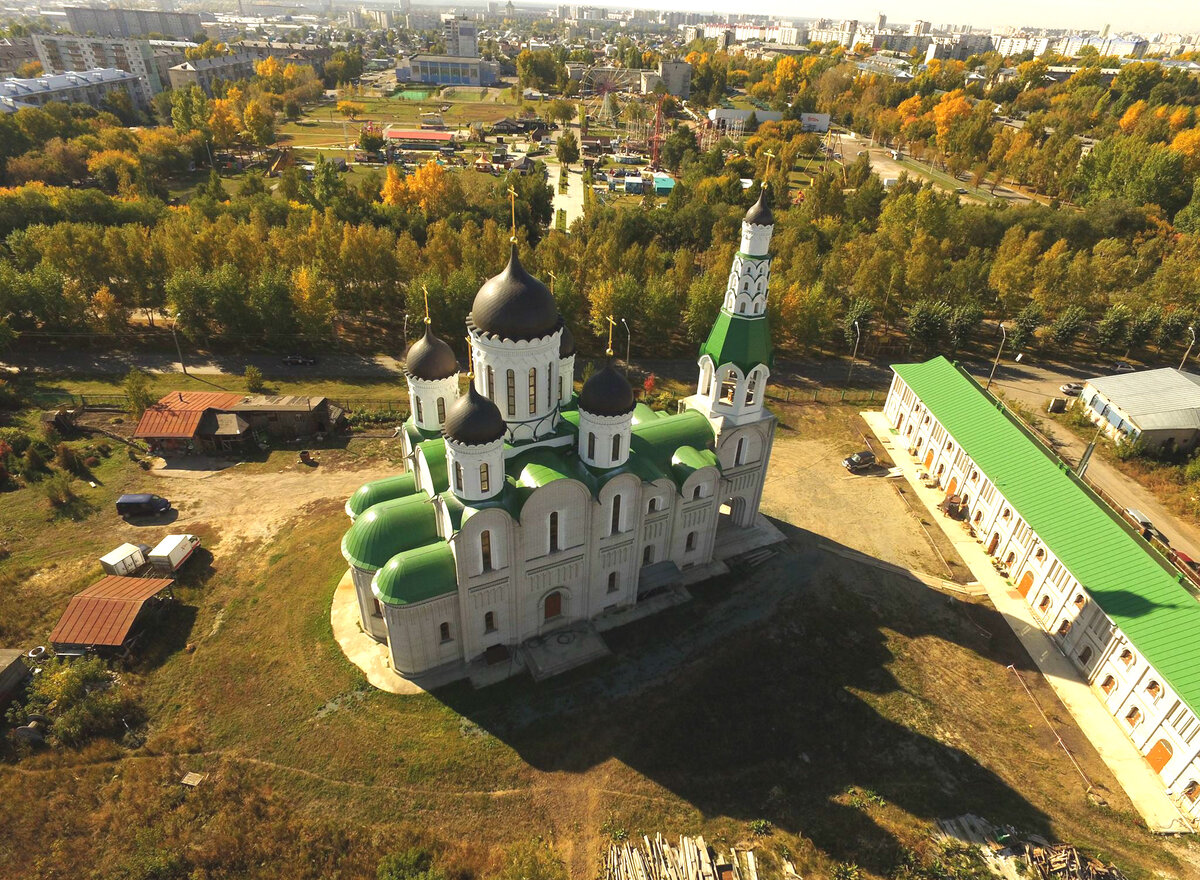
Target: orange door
{"type": "Point", "coordinates": [1026, 584]}
{"type": "Point", "coordinates": [929, 459]}
{"type": "Point", "coordinates": [553, 605]}
{"type": "Point", "coordinates": [953, 485]}
{"type": "Point", "coordinates": [1159, 755]}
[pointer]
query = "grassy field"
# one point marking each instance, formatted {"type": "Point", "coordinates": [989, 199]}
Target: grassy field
{"type": "Point", "coordinates": [846, 706]}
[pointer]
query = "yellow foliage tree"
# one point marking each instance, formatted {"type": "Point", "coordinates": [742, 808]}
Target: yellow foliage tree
{"type": "Point", "coordinates": [428, 185]}
{"type": "Point", "coordinates": [394, 191]}
{"type": "Point", "coordinates": [910, 108]}
{"type": "Point", "coordinates": [1129, 121]}
{"type": "Point", "coordinates": [223, 122]}
{"type": "Point", "coordinates": [1181, 118]}
{"type": "Point", "coordinates": [351, 109]}
{"type": "Point", "coordinates": [115, 169]}
{"type": "Point", "coordinates": [270, 73]}
{"type": "Point", "coordinates": [1188, 144]}
{"type": "Point", "coordinates": [953, 107]}
{"type": "Point", "coordinates": [312, 298]}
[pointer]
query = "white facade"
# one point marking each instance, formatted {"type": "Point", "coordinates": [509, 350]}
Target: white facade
{"type": "Point", "coordinates": [522, 378]}
{"type": "Point", "coordinates": [1162, 726]}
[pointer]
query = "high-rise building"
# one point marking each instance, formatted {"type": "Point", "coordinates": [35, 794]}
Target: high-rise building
{"type": "Point", "coordinates": [919, 27]}
{"type": "Point", "coordinates": [676, 77]}
{"type": "Point", "coordinates": [461, 36]}
{"type": "Point", "coordinates": [148, 60]}
{"type": "Point", "coordinates": [131, 22]}
{"type": "Point", "coordinates": [85, 87]}
{"type": "Point", "coordinates": [880, 22]}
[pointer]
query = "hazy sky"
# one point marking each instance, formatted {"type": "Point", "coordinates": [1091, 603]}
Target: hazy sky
{"type": "Point", "coordinates": [1146, 17]}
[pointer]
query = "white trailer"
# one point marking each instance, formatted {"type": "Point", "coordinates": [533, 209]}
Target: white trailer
{"type": "Point", "coordinates": [172, 552]}
{"type": "Point", "coordinates": [125, 561]}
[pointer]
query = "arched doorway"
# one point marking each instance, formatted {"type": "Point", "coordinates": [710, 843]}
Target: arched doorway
{"type": "Point", "coordinates": [1085, 655]}
{"type": "Point", "coordinates": [953, 486]}
{"type": "Point", "coordinates": [929, 458]}
{"type": "Point", "coordinates": [552, 606]}
{"type": "Point", "coordinates": [1159, 755]}
{"type": "Point", "coordinates": [1026, 584]}
{"type": "Point", "coordinates": [994, 543]}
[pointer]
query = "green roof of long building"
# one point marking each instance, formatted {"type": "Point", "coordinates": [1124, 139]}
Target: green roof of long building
{"type": "Point", "coordinates": [1134, 586]}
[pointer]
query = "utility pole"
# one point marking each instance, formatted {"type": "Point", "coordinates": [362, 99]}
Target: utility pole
{"type": "Point", "coordinates": [628, 341]}
{"type": "Point", "coordinates": [996, 362]}
{"type": "Point", "coordinates": [1186, 354]}
{"type": "Point", "coordinates": [178, 350]}
{"type": "Point", "coordinates": [854, 356]}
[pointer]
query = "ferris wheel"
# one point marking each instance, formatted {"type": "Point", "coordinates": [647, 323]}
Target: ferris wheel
{"type": "Point", "coordinates": [601, 85]}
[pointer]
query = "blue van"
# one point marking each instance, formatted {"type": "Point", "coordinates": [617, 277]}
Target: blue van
{"type": "Point", "coordinates": [142, 505]}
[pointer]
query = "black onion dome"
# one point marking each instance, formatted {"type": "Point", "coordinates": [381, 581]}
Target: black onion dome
{"type": "Point", "coordinates": [566, 343]}
{"type": "Point", "coordinates": [473, 420]}
{"type": "Point", "coordinates": [760, 212]}
{"type": "Point", "coordinates": [607, 393]}
{"type": "Point", "coordinates": [430, 358]}
{"type": "Point", "coordinates": [515, 305]}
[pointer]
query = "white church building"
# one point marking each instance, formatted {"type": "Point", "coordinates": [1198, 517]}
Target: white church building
{"type": "Point", "coordinates": [527, 509]}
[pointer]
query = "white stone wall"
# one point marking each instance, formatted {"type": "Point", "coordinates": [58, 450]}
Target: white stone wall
{"type": "Point", "coordinates": [755, 239]}
{"type": "Point", "coordinates": [746, 289]}
{"type": "Point", "coordinates": [495, 358]}
{"type": "Point", "coordinates": [414, 634]}
{"type": "Point", "coordinates": [467, 467]}
{"type": "Point", "coordinates": [566, 379]}
{"type": "Point", "coordinates": [596, 439]}
{"type": "Point", "coordinates": [427, 394]}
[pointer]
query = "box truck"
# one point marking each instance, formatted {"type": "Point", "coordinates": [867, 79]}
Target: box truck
{"type": "Point", "coordinates": [172, 552]}
{"type": "Point", "coordinates": [126, 560]}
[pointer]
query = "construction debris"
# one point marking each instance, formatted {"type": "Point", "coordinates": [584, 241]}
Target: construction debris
{"type": "Point", "coordinates": [691, 859]}
{"type": "Point", "coordinates": [1012, 856]}
{"type": "Point", "coordinates": [1065, 862]}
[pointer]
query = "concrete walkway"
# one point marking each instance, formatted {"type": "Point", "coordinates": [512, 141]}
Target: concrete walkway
{"type": "Point", "coordinates": [360, 649]}
{"type": "Point", "coordinates": [1142, 785]}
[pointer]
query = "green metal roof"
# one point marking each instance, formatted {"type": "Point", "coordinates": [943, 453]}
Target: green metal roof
{"type": "Point", "coordinates": [658, 439]}
{"type": "Point", "coordinates": [416, 575]}
{"type": "Point", "coordinates": [544, 464]}
{"type": "Point", "coordinates": [386, 489]}
{"type": "Point", "coordinates": [1134, 586]}
{"type": "Point", "coordinates": [435, 457]}
{"type": "Point", "coordinates": [687, 460]}
{"type": "Point", "coordinates": [388, 528]}
{"type": "Point", "coordinates": [643, 413]}
{"type": "Point", "coordinates": [739, 340]}
{"type": "Point", "coordinates": [417, 435]}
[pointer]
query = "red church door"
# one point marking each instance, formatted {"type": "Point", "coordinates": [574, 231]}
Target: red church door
{"type": "Point", "coordinates": [553, 606]}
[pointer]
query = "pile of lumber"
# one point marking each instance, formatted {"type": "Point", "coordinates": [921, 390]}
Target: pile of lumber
{"type": "Point", "coordinates": [690, 859]}
{"type": "Point", "coordinates": [1065, 862]}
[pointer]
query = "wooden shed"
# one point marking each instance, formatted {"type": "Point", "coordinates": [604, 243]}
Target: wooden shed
{"type": "Point", "coordinates": [108, 617]}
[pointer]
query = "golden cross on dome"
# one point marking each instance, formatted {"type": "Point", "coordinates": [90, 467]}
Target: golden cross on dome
{"type": "Point", "coordinates": [770, 155]}
{"type": "Point", "coordinates": [425, 290]}
{"type": "Point", "coordinates": [611, 324]}
{"type": "Point", "coordinates": [552, 278]}
{"type": "Point", "coordinates": [470, 359]}
{"type": "Point", "coordinates": [512, 198]}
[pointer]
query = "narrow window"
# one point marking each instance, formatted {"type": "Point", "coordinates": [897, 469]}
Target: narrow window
{"type": "Point", "coordinates": [1044, 604]}
{"type": "Point", "coordinates": [441, 406]}
{"type": "Point", "coordinates": [648, 555]}
{"type": "Point", "coordinates": [739, 457]}
{"type": "Point", "coordinates": [1079, 601]}
{"type": "Point", "coordinates": [445, 632]}
{"type": "Point", "coordinates": [616, 447]}
{"type": "Point", "coordinates": [696, 493]}
{"type": "Point", "coordinates": [1127, 657]}
{"type": "Point", "coordinates": [1192, 791]}
{"type": "Point", "coordinates": [691, 542]}
{"type": "Point", "coordinates": [652, 505]}
{"type": "Point", "coordinates": [742, 308]}
{"type": "Point", "coordinates": [1064, 627]}
{"type": "Point", "coordinates": [512, 393]}
{"type": "Point", "coordinates": [553, 531]}
{"type": "Point", "coordinates": [728, 388]}
{"type": "Point", "coordinates": [485, 549]}
{"type": "Point", "coordinates": [532, 390]}
{"type": "Point", "coordinates": [489, 622]}
{"type": "Point", "coordinates": [616, 515]}
{"type": "Point", "coordinates": [483, 478]}
{"type": "Point", "coordinates": [612, 581]}
{"type": "Point", "coordinates": [1085, 655]}
{"type": "Point", "coordinates": [420, 411]}
{"type": "Point", "coordinates": [1154, 689]}
{"type": "Point", "coordinates": [491, 383]}
{"type": "Point", "coordinates": [1108, 684]}
{"type": "Point", "coordinates": [1133, 716]}
{"type": "Point", "coordinates": [591, 445]}
{"type": "Point", "coordinates": [750, 388]}
{"type": "Point", "coordinates": [458, 477]}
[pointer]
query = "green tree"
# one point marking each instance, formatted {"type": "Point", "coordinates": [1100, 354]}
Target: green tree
{"type": "Point", "coordinates": [137, 389]}
{"type": "Point", "coordinates": [927, 323]}
{"type": "Point", "coordinates": [567, 149]}
{"type": "Point", "coordinates": [1065, 328]}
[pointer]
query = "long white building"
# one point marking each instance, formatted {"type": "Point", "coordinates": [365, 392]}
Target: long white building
{"type": "Point", "coordinates": [1111, 603]}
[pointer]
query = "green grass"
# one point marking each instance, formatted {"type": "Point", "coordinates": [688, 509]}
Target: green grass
{"type": "Point", "coordinates": [163, 383]}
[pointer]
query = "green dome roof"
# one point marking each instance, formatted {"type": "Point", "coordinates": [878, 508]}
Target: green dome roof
{"type": "Point", "coordinates": [370, 494]}
{"type": "Point", "coordinates": [416, 575]}
{"type": "Point", "coordinates": [688, 459]}
{"type": "Point", "coordinates": [388, 528]}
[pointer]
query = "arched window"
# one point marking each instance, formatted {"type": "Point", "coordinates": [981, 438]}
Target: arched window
{"type": "Point", "coordinates": [420, 410]}
{"type": "Point", "coordinates": [591, 445]}
{"type": "Point", "coordinates": [1039, 554]}
{"type": "Point", "coordinates": [1133, 716]}
{"type": "Point", "coordinates": [616, 447]}
{"type": "Point", "coordinates": [484, 482]}
{"type": "Point", "coordinates": [1108, 684]}
{"type": "Point", "coordinates": [616, 515]}
{"type": "Point", "coordinates": [1192, 791]}
{"type": "Point", "coordinates": [697, 492]}
{"type": "Point", "coordinates": [512, 394]}
{"type": "Point", "coordinates": [648, 554]}
{"type": "Point", "coordinates": [745, 287]}
{"type": "Point", "coordinates": [1006, 515]}
{"type": "Point", "coordinates": [549, 384]}
{"type": "Point", "coordinates": [728, 387]}
{"type": "Point", "coordinates": [691, 542]}
{"type": "Point", "coordinates": [949, 443]}
{"type": "Point", "coordinates": [974, 475]}
{"type": "Point", "coordinates": [652, 505]}
{"type": "Point", "coordinates": [739, 455]}
{"type": "Point", "coordinates": [458, 477]}
{"type": "Point", "coordinates": [441, 409]}
{"type": "Point", "coordinates": [444, 630]}
{"type": "Point", "coordinates": [553, 531]}
{"type": "Point", "coordinates": [485, 549]}
{"type": "Point", "coordinates": [750, 388]}
{"type": "Point", "coordinates": [1126, 657]}
{"type": "Point", "coordinates": [612, 581]}
{"type": "Point", "coordinates": [489, 622]}
{"type": "Point", "coordinates": [532, 390]}
{"type": "Point", "coordinates": [1064, 627]}
{"type": "Point", "coordinates": [1080, 601]}
{"type": "Point", "coordinates": [552, 607]}
{"type": "Point", "coordinates": [1154, 690]}
{"type": "Point", "coordinates": [1044, 604]}
{"type": "Point", "coordinates": [742, 307]}
{"type": "Point", "coordinates": [1085, 655]}
{"type": "Point", "coordinates": [491, 383]}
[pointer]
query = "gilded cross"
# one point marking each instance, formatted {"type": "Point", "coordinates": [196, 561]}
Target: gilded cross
{"type": "Point", "coordinates": [512, 198]}
{"type": "Point", "coordinates": [470, 359]}
{"type": "Point", "coordinates": [770, 155]}
{"type": "Point", "coordinates": [425, 290]}
{"type": "Point", "coordinates": [611, 324]}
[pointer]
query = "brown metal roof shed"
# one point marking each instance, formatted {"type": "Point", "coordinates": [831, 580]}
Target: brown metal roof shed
{"type": "Point", "coordinates": [103, 615]}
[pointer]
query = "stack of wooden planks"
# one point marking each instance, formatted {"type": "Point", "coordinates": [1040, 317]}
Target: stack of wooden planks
{"type": "Point", "coordinates": [690, 859]}
{"type": "Point", "coordinates": [1065, 862]}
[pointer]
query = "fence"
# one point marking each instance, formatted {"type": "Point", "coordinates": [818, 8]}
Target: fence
{"type": "Point", "coordinates": [373, 405]}
{"type": "Point", "coordinates": [855, 396]}
{"type": "Point", "coordinates": [63, 399]}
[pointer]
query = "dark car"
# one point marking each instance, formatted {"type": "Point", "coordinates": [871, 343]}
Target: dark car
{"type": "Point", "coordinates": [299, 360]}
{"type": "Point", "coordinates": [859, 461]}
{"type": "Point", "coordinates": [142, 505]}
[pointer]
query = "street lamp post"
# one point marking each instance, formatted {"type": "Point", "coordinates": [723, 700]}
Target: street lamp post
{"type": "Point", "coordinates": [1186, 354]}
{"type": "Point", "coordinates": [996, 362]}
{"type": "Point", "coordinates": [628, 341]}
{"type": "Point", "coordinates": [178, 350]}
{"type": "Point", "coordinates": [854, 355]}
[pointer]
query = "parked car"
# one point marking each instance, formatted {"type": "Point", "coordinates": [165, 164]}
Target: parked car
{"type": "Point", "coordinates": [299, 360]}
{"type": "Point", "coordinates": [1071, 389]}
{"type": "Point", "coordinates": [172, 552]}
{"type": "Point", "coordinates": [142, 505]}
{"type": "Point", "coordinates": [1122, 367]}
{"type": "Point", "coordinates": [961, 191]}
{"type": "Point", "coordinates": [859, 461]}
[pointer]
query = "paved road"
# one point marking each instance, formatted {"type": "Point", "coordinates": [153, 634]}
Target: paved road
{"type": "Point", "coordinates": [84, 363]}
{"type": "Point", "coordinates": [572, 200]}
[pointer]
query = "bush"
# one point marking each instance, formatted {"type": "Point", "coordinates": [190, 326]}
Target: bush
{"type": "Point", "coordinates": [34, 465]}
{"type": "Point", "coordinates": [60, 491]}
{"type": "Point", "coordinates": [1127, 450]}
{"type": "Point", "coordinates": [91, 461]}
{"type": "Point", "coordinates": [534, 860]}
{"type": "Point", "coordinates": [409, 864]}
{"type": "Point", "coordinates": [254, 380]}
{"type": "Point", "coordinates": [83, 700]}
{"type": "Point", "coordinates": [16, 439]}
{"type": "Point", "coordinates": [67, 459]}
